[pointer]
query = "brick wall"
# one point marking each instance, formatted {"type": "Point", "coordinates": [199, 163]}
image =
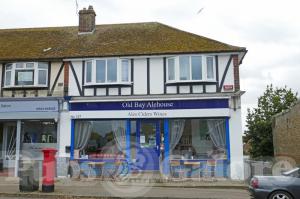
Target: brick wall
{"type": "Point", "coordinates": [66, 78]}
{"type": "Point", "coordinates": [236, 72]}
{"type": "Point", "coordinates": [286, 134]}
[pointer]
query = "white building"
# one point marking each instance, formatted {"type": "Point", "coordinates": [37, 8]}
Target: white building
{"type": "Point", "coordinates": [144, 93]}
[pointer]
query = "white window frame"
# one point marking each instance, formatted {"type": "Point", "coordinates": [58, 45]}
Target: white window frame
{"type": "Point", "coordinates": [204, 69]}
{"type": "Point", "coordinates": [119, 72]}
{"type": "Point", "coordinates": [35, 70]}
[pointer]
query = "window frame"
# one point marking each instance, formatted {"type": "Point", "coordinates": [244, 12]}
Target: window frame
{"type": "Point", "coordinates": [17, 67]}
{"type": "Point", "coordinates": [190, 80]}
{"type": "Point", "coordinates": [106, 82]}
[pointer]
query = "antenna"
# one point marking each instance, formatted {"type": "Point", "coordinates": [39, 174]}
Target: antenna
{"type": "Point", "coordinates": [200, 11]}
{"type": "Point", "coordinates": [76, 2]}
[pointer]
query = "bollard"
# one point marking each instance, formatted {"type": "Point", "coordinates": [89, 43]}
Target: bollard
{"type": "Point", "coordinates": [49, 169]}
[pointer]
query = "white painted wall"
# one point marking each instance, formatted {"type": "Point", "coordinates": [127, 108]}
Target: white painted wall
{"type": "Point", "coordinates": [184, 89]}
{"type": "Point", "coordinates": [73, 90]}
{"type": "Point", "coordinates": [59, 88]}
{"type": "Point", "coordinates": [229, 79]}
{"type": "Point", "coordinates": [211, 89]}
{"type": "Point", "coordinates": [236, 145]}
{"type": "Point", "coordinates": [65, 133]}
{"type": "Point", "coordinates": [156, 76]}
{"type": "Point", "coordinates": [171, 89]}
{"type": "Point", "coordinates": [140, 77]}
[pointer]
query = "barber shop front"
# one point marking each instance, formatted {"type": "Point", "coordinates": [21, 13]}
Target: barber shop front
{"type": "Point", "coordinates": [26, 126]}
{"type": "Point", "coordinates": [178, 138]}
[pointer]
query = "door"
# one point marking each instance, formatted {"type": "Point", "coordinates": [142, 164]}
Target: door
{"type": "Point", "coordinates": [9, 145]}
{"type": "Point", "coordinates": [148, 145]}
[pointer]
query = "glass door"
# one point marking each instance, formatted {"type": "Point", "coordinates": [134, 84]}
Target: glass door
{"type": "Point", "coordinates": [148, 142]}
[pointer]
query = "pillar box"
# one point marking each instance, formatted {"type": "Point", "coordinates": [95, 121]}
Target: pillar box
{"type": "Point", "coordinates": [49, 169]}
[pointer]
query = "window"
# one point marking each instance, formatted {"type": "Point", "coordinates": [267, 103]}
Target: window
{"type": "Point", "coordinates": [39, 132]}
{"type": "Point", "coordinates": [198, 139]}
{"type": "Point", "coordinates": [8, 72]}
{"type": "Point", "coordinates": [100, 71]}
{"type": "Point", "coordinates": [190, 68]}
{"type": "Point", "coordinates": [125, 71]}
{"type": "Point", "coordinates": [210, 67]}
{"type": "Point", "coordinates": [108, 71]}
{"type": "Point", "coordinates": [196, 68]}
{"type": "Point", "coordinates": [112, 70]}
{"type": "Point", "coordinates": [24, 77]}
{"type": "Point", "coordinates": [26, 74]}
{"type": "Point", "coordinates": [100, 138]}
{"type": "Point", "coordinates": [88, 72]}
{"type": "Point", "coordinates": [184, 67]}
{"type": "Point", "coordinates": [171, 69]}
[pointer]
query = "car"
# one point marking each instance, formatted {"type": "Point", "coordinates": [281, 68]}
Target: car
{"type": "Point", "coordinates": [286, 186]}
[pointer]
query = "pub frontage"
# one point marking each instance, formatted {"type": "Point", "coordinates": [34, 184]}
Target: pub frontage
{"type": "Point", "coordinates": [176, 138]}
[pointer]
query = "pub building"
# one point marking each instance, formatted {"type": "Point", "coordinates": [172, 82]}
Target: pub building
{"type": "Point", "coordinates": [146, 96]}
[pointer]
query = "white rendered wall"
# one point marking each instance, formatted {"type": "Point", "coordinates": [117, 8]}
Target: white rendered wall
{"type": "Point", "coordinates": [156, 76]}
{"type": "Point", "coordinates": [65, 134]}
{"type": "Point", "coordinates": [236, 145]}
{"type": "Point", "coordinates": [229, 78]}
{"type": "Point", "coordinates": [140, 77]}
{"type": "Point", "coordinates": [73, 90]}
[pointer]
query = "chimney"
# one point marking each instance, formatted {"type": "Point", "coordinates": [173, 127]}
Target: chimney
{"type": "Point", "coordinates": [87, 20]}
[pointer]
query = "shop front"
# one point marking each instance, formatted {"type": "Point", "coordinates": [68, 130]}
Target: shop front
{"type": "Point", "coordinates": [179, 138]}
{"type": "Point", "coordinates": [26, 126]}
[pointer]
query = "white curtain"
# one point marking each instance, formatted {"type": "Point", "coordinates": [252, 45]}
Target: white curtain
{"type": "Point", "coordinates": [176, 130]}
{"type": "Point", "coordinates": [83, 131]}
{"type": "Point", "coordinates": [217, 133]}
{"type": "Point", "coordinates": [118, 128]}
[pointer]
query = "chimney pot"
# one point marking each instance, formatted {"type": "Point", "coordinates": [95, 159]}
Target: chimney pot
{"type": "Point", "coordinates": [87, 20]}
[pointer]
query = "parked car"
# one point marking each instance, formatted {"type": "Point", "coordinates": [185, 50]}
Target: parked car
{"type": "Point", "coordinates": [286, 186]}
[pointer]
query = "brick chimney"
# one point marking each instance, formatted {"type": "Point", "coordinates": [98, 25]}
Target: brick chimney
{"type": "Point", "coordinates": [87, 20]}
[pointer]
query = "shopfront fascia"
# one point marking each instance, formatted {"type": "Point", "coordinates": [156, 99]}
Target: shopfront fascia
{"type": "Point", "coordinates": [27, 126]}
{"type": "Point", "coordinates": [159, 117]}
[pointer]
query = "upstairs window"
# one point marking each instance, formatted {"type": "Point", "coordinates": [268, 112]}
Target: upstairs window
{"type": "Point", "coordinates": [107, 71]}
{"type": "Point", "coordinates": [190, 68]}
{"type": "Point", "coordinates": [26, 74]}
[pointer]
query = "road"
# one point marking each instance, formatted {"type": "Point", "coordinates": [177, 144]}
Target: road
{"type": "Point", "coordinates": [188, 193]}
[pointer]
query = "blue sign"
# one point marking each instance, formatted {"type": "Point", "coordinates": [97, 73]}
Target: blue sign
{"type": "Point", "coordinates": [150, 105]}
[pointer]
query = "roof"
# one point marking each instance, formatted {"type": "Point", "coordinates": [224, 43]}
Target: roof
{"type": "Point", "coordinates": [108, 40]}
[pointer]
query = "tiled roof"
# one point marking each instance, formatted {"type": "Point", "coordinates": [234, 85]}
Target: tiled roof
{"type": "Point", "coordinates": [108, 40]}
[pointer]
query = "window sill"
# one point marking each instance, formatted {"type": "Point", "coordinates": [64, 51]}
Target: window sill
{"type": "Point", "coordinates": [107, 85]}
{"type": "Point", "coordinates": [211, 82]}
{"type": "Point", "coordinates": [24, 87]}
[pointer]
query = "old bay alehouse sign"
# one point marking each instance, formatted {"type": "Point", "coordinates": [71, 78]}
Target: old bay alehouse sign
{"type": "Point", "coordinates": [150, 109]}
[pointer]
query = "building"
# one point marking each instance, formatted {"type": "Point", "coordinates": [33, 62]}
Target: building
{"type": "Point", "coordinates": [286, 135]}
{"type": "Point", "coordinates": [145, 93]}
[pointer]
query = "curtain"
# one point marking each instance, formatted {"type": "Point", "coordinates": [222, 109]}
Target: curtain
{"type": "Point", "coordinates": [118, 128]}
{"type": "Point", "coordinates": [217, 133]}
{"type": "Point", "coordinates": [176, 127]}
{"type": "Point", "coordinates": [83, 131]}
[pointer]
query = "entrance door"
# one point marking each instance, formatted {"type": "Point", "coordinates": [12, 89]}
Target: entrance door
{"type": "Point", "coordinates": [148, 142]}
{"type": "Point", "coordinates": [9, 145]}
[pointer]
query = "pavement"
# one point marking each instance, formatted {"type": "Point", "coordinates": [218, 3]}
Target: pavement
{"type": "Point", "coordinates": [95, 188]}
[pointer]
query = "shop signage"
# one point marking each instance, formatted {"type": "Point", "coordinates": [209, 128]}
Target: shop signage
{"type": "Point", "coordinates": [228, 87]}
{"type": "Point", "coordinates": [28, 106]}
{"type": "Point", "coordinates": [151, 105]}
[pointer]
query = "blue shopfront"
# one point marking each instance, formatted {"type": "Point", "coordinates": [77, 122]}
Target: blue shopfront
{"type": "Point", "coordinates": [178, 138]}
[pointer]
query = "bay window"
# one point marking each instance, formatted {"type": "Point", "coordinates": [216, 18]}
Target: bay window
{"type": "Point", "coordinates": [107, 71]}
{"type": "Point", "coordinates": [26, 74]}
{"type": "Point", "coordinates": [192, 68]}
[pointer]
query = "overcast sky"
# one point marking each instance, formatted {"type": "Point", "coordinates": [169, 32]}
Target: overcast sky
{"type": "Point", "coordinates": [270, 29]}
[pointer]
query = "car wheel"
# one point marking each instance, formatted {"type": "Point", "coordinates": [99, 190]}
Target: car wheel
{"type": "Point", "coordinates": [280, 195]}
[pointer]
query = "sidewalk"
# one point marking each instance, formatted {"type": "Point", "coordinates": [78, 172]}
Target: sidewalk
{"type": "Point", "coordinates": [86, 188]}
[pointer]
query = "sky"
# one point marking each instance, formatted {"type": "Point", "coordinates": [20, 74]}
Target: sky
{"type": "Point", "coordinates": [269, 29]}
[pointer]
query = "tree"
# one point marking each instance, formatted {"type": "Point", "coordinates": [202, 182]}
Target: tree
{"type": "Point", "coordinates": [259, 120]}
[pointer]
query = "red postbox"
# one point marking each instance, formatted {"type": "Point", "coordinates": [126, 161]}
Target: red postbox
{"type": "Point", "coordinates": [49, 169]}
